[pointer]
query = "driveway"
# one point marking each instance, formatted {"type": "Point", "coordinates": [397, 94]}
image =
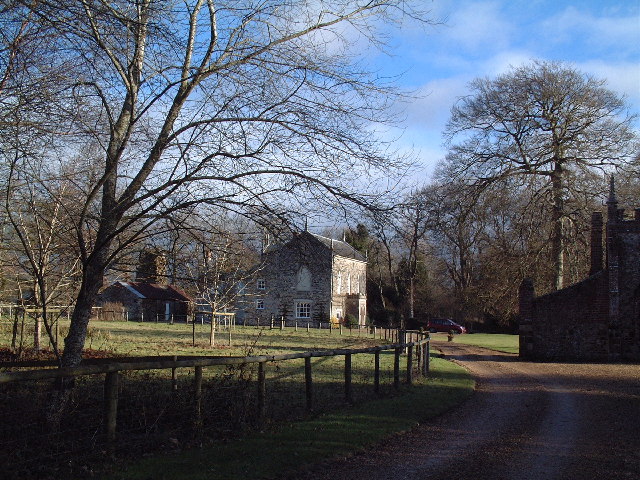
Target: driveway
{"type": "Point", "coordinates": [525, 421]}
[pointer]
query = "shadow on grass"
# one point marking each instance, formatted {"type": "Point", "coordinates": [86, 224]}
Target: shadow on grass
{"type": "Point", "coordinates": [286, 447]}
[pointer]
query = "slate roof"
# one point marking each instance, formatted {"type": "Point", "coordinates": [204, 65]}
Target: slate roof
{"type": "Point", "coordinates": [154, 291]}
{"type": "Point", "coordinates": [339, 248]}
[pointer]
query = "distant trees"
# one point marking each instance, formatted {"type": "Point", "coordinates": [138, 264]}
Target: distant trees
{"type": "Point", "coordinates": [528, 159]}
{"type": "Point", "coordinates": [549, 127]}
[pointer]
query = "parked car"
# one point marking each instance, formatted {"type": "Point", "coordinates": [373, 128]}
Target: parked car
{"type": "Point", "coordinates": [444, 325]}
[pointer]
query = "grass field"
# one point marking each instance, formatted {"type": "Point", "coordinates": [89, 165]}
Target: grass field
{"type": "Point", "coordinates": [292, 437]}
{"type": "Point", "coordinates": [142, 339]}
{"type": "Point", "coordinates": [494, 341]}
{"type": "Point", "coordinates": [288, 446]}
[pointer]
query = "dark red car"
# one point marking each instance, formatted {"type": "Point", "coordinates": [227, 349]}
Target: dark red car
{"type": "Point", "coordinates": [444, 325]}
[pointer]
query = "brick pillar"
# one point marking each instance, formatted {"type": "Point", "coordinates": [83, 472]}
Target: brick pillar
{"type": "Point", "coordinates": [596, 243]}
{"type": "Point", "coordinates": [526, 294]}
{"type": "Point", "coordinates": [613, 271]}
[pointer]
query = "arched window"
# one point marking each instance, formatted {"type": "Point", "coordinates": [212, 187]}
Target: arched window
{"type": "Point", "coordinates": [339, 283]}
{"type": "Point", "coordinates": [303, 280]}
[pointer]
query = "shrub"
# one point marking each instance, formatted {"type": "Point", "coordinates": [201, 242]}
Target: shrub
{"type": "Point", "coordinates": [350, 320]}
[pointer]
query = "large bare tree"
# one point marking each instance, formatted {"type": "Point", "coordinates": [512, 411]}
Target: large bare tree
{"type": "Point", "coordinates": [247, 105]}
{"type": "Point", "coordinates": [544, 119]}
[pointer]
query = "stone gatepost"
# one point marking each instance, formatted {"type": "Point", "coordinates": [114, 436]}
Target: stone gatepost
{"type": "Point", "coordinates": [526, 294]}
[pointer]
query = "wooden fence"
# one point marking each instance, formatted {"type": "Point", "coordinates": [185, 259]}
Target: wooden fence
{"type": "Point", "coordinates": [417, 350]}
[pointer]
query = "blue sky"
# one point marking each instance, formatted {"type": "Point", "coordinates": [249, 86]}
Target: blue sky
{"type": "Point", "coordinates": [485, 38]}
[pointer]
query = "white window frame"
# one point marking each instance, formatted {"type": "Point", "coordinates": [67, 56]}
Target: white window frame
{"type": "Point", "coordinates": [260, 304]}
{"type": "Point", "coordinates": [261, 284]}
{"type": "Point", "coordinates": [306, 305]}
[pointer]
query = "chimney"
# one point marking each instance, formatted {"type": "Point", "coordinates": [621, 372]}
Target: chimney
{"type": "Point", "coordinates": [152, 267]}
{"type": "Point", "coordinates": [596, 243]}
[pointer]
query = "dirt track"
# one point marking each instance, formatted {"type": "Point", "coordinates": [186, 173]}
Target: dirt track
{"type": "Point", "coordinates": [525, 421]}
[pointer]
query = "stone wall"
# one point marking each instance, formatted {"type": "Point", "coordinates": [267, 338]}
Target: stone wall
{"type": "Point", "coordinates": [598, 318]}
{"type": "Point", "coordinates": [627, 236]}
{"type": "Point", "coordinates": [569, 324]}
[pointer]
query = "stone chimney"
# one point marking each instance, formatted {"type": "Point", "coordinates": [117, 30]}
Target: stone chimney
{"type": "Point", "coordinates": [597, 254]}
{"type": "Point", "coordinates": [152, 267]}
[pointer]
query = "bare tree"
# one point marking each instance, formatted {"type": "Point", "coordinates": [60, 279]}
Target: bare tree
{"type": "Point", "coordinates": [238, 104]}
{"type": "Point", "coordinates": [544, 119]}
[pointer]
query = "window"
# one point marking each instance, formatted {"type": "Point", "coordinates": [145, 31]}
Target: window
{"type": "Point", "coordinates": [261, 284]}
{"type": "Point", "coordinates": [259, 304]}
{"type": "Point", "coordinates": [349, 283]}
{"type": "Point", "coordinates": [303, 309]}
{"type": "Point", "coordinates": [303, 279]}
{"type": "Point", "coordinates": [339, 283]}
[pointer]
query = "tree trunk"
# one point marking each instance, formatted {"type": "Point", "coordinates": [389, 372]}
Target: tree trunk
{"type": "Point", "coordinates": [74, 342]}
{"type": "Point", "coordinates": [557, 238]}
{"type": "Point", "coordinates": [37, 332]}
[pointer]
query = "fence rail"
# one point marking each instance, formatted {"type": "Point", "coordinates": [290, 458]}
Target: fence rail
{"type": "Point", "coordinates": [116, 392]}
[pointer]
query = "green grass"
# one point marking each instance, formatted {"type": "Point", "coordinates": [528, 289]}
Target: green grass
{"type": "Point", "coordinates": [291, 438]}
{"type": "Point", "coordinates": [142, 339]}
{"type": "Point", "coordinates": [493, 341]}
{"type": "Point", "coordinates": [272, 453]}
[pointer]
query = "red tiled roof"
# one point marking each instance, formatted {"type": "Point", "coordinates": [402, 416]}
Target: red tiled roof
{"type": "Point", "coordinates": [154, 291]}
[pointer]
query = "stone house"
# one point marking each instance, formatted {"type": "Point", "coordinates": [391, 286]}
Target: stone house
{"type": "Point", "coordinates": [309, 279]}
{"type": "Point", "coordinates": [599, 317]}
{"type": "Point", "coordinates": [149, 298]}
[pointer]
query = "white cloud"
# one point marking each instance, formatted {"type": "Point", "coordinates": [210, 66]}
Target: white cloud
{"type": "Point", "coordinates": [477, 26]}
{"type": "Point", "coordinates": [603, 32]}
{"type": "Point", "coordinates": [434, 100]}
{"type": "Point", "coordinates": [621, 77]}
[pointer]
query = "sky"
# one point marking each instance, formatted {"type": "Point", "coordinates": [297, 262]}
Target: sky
{"type": "Point", "coordinates": [485, 38]}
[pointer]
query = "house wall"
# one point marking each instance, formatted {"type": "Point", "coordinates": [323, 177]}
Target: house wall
{"type": "Point", "coordinates": [118, 294]}
{"type": "Point", "coordinates": [304, 271]}
{"type": "Point", "coordinates": [298, 272]}
{"type": "Point", "coordinates": [142, 309]}
{"type": "Point", "coordinates": [349, 289]}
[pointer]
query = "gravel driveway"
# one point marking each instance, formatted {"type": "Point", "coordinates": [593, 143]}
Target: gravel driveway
{"type": "Point", "coordinates": [525, 421]}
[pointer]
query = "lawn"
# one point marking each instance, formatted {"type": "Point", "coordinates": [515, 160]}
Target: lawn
{"type": "Point", "coordinates": [290, 437]}
{"type": "Point", "coordinates": [493, 341]}
{"type": "Point", "coordinates": [288, 446]}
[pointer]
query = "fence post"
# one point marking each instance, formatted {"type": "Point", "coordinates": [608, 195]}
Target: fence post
{"type": "Point", "coordinates": [197, 396]}
{"type": "Point", "coordinates": [427, 357]}
{"type": "Point", "coordinates": [410, 364]}
{"type": "Point", "coordinates": [174, 375]}
{"type": "Point", "coordinates": [261, 392]}
{"type": "Point", "coordinates": [110, 405]}
{"type": "Point", "coordinates": [396, 367]}
{"type": "Point", "coordinates": [193, 334]}
{"type": "Point", "coordinates": [347, 378]}
{"type": "Point", "coordinates": [308, 381]}
{"type": "Point", "coordinates": [376, 373]}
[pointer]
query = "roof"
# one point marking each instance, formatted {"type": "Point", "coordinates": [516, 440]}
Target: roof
{"type": "Point", "coordinates": [155, 291]}
{"type": "Point", "coordinates": [339, 248]}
